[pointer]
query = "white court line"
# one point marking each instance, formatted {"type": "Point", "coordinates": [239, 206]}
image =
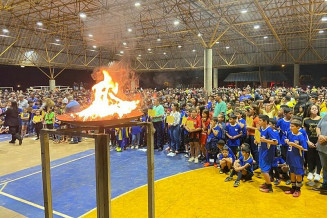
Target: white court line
{"type": "Point", "coordinates": [22, 177]}
{"type": "Point", "coordinates": [3, 187]}
{"type": "Point", "coordinates": [33, 204]}
{"type": "Point", "coordinates": [144, 186]}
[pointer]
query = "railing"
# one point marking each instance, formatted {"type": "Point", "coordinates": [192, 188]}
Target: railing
{"type": "Point", "coordinates": [10, 89]}
{"type": "Point", "coordinates": [47, 88]}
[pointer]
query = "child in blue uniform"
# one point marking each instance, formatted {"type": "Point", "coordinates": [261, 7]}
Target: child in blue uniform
{"type": "Point", "coordinates": [243, 167]}
{"type": "Point", "coordinates": [267, 147]}
{"type": "Point", "coordinates": [214, 134]}
{"type": "Point", "coordinates": [226, 160]}
{"type": "Point", "coordinates": [121, 138]}
{"type": "Point", "coordinates": [279, 167]}
{"type": "Point", "coordinates": [284, 126]}
{"type": "Point", "coordinates": [295, 156]}
{"type": "Point", "coordinates": [233, 133]}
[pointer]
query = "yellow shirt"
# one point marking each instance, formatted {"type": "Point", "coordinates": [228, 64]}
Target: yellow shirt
{"type": "Point", "coordinates": [37, 118]}
{"type": "Point", "coordinates": [323, 107]}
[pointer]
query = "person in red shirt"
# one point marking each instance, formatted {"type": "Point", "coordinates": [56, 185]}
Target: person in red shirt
{"type": "Point", "coordinates": [205, 121]}
{"type": "Point", "coordinates": [194, 135]}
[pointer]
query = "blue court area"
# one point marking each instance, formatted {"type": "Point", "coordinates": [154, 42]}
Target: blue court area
{"type": "Point", "coordinates": [73, 181]}
{"type": "Point", "coordinates": [5, 137]}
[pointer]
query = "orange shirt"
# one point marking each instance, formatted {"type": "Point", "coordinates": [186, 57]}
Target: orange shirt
{"type": "Point", "coordinates": [196, 125]}
{"type": "Point", "coordinates": [254, 124]}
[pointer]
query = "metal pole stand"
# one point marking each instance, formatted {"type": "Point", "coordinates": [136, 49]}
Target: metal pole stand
{"type": "Point", "coordinates": [102, 167]}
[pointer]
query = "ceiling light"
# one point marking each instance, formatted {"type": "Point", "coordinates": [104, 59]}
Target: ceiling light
{"type": "Point", "coordinates": [283, 65]}
{"type": "Point", "coordinates": [158, 39]}
{"type": "Point", "coordinates": [39, 23]}
{"type": "Point", "coordinates": [82, 15]}
{"type": "Point", "coordinates": [321, 31]}
{"type": "Point", "coordinates": [217, 42]}
{"type": "Point", "coordinates": [265, 37]}
{"type": "Point", "coordinates": [124, 43]}
{"type": "Point", "coordinates": [57, 40]}
{"type": "Point", "coordinates": [137, 4]}
{"type": "Point", "coordinates": [164, 53]}
{"type": "Point", "coordinates": [193, 50]}
{"type": "Point", "coordinates": [199, 34]}
{"type": "Point", "coordinates": [256, 27]}
{"type": "Point", "coordinates": [244, 11]}
{"type": "Point", "coordinates": [90, 35]}
{"type": "Point", "coordinates": [179, 46]}
{"type": "Point", "coordinates": [176, 22]}
{"type": "Point", "coordinates": [94, 46]}
{"type": "Point", "coordinates": [140, 55]}
{"type": "Point", "coordinates": [227, 47]}
{"type": "Point", "coordinates": [324, 19]}
{"type": "Point", "coordinates": [129, 30]}
{"type": "Point", "coordinates": [149, 49]}
{"type": "Point", "coordinates": [22, 66]}
{"type": "Point", "coordinates": [5, 30]}
{"type": "Point", "coordinates": [121, 52]}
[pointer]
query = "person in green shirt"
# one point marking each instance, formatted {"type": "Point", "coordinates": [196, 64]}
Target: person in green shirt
{"type": "Point", "coordinates": [49, 118]}
{"type": "Point", "coordinates": [158, 124]}
{"type": "Point", "coordinates": [220, 106]}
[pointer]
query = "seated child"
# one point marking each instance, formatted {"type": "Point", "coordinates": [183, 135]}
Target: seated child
{"type": "Point", "coordinates": [243, 167]}
{"type": "Point", "coordinates": [279, 168]}
{"type": "Point", "coordinates": [225, 160]}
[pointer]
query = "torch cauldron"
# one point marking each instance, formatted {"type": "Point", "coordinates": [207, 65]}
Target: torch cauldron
{"type": "Point", "coordinates": [106, 111]}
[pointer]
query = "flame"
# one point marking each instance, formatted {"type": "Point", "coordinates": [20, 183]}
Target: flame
{"type": "Point", "coordinates": [106, 103]}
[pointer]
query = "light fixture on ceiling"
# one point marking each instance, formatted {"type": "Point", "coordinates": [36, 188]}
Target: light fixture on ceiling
{"type": "Point", "coordinates": [321, 31]}
{"type": "Point", "coordinates": [149, 49]}
{"type": "Point", "coordinates": [265, 37]}
{"type": "Point", "coordinates": [121, 52]}
{"type": "Point", "coordinates": [82, 15]}
{"type": "Point", "coordinates": [129, 30]}
{"type": "Point", "coordinates": [227, 47]}
{"type": "Point", "coordinates": [94, 46]}
{"type": "Point", "coordinates": [90, 35]}
{"type": "Point", "coordinates": [124, 43]}
{"type": "Point", "coordinates": [57, 40]}
{"type": "Point", "coordinates": [140, 55]}
{"type": "Point", "coordinates": [137, 4]}
{"type": "Point", "coordinates": [22, 66]}
{"type": "Point", "coordinates": [217, 42]}
{"type": "Point", "coordinates": [244, 11]}
{"type": "Point", "coordinates": [176, 22]}
{"type": "Point", "coordinates": [199, 34]}
{"type": "Point", "coordinates": [39, 23]}
{"type": "Point", "coordinates": [158, 40]}
{"type": "Point", "coordinates": [193, 50]}
{"type": "Point", "coordinates": [164, 53]}
{"type": "Point", "coordinates": [5, 30]}
{"type": "Point", "coordinates": [324, 19]}
{"type": "Point", "coordinates": [179, 46]}
{"type": "Point", "coordinates": [283, 65]}
{"type": "Point", "coordinates": [256, 27]}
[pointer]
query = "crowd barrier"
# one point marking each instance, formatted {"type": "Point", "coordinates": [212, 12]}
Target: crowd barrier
{"type": "Point", "coordinates": [10, 89]}
{"type": "Point", "coordinates": [47, 88]}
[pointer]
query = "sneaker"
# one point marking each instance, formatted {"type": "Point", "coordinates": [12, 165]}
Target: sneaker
{"type": "Point", "coordinates": [221, 171]}
{"type": "Point", "coordinates": [132, 147]}
{"type": "Point", "coordinates": [290, 192]}
{"type": "Point", "coordinates": [276, 182]}
{"type": "Point", "coordinates": [136, 147]}
{"type": "Point", "coordinates": [297, 194]}
{"type": "Point", "coordinates": [236, 183]}
{"type": "Point", "coordinates": [267, 189]}
{"type": "Point", "coordinates": [288, 182]}
{"type": "Point", "coordinates": [191, 159]}
{"type": "Point", "coordinates": [186, 155]}
{"type": "Point", "coordinates": [167, 149]}
{"type": "Point", "coordinates": [264, 185]}
{"type": "Point", "coordinates": [310, 176]}
{"type": "Point", "coordinates": [206, 164]}
{"type": "Point", "coordinates": [215, 165]}
{"type": "Point", "coordinates": [228, 179]}
{"type": "Point", "coordinates": [317, 177]}
{"type": "Point", "coordinates": [11, 142]}
{"type": "Point", "coordinates": [21, 141]}
{"type": "Point", "coordinates": [196, 160]}
{"type": "Point", "coordinates": [118, 149]}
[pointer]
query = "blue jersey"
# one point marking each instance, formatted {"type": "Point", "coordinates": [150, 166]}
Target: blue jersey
{"type": "Point", "coordinates": [231, 152]}
{"type": "Point", "coordinates": [249, 161]}
{"type": "Point", "coordinates": [267, 152]}
{"type": "Point", "coordinates": [230, 155]}
{"type": "Point", "coordinates": [278, 160]}
{"type": "Point", "coordinates": [278, 136]}
{"type": "Point", "coordinates": [212, 136]}
{"type": "Point", "coordinates": [223, 130]}
{"type": "Point", "coordinates": [233, 131]}
{"type": "Point", "coordinates": [294, 156]}
{"type": "Point", "coordinates": [284, 126]}
{"type": "Point", "coordinates": [136, 130]}
{"type": "Point", "coordinates": [244, 131]}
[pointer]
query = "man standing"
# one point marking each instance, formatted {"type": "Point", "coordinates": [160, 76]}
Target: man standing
{"type": "Point", "coordinates": [322, 150]}
{"type": "Point", "coordinates": [220, 105]}
{"type": "Point", "coordinates": [22, 102]}
{"type": "Point", "coordinates": [158, 124]}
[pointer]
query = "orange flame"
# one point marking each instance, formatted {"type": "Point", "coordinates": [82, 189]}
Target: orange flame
{"type": "Point", "coordinates": [105, 101]}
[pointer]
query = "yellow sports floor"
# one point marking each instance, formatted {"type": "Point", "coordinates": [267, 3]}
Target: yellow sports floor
{"type": "Point", "coordinates": [203, 193]}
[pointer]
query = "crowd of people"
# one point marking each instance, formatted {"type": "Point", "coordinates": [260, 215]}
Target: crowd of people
{"type": "Point", "coordinates": [281, 131]}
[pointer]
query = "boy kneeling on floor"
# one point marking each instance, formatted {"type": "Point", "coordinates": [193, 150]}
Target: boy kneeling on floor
{"type": "Point", "coordinates": [243, 168]}
{"type": "Point", "coordinates": [226, 160]}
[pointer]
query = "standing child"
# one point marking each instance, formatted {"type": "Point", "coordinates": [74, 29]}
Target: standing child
{"type": "Point", "coordinates": [243, 167]}
{"type": "Point", "coordinates": [194, 136]}
{"type": "Point", "coordinates": [121, 138]}
{"type": "Point", "coordinates": [233, 133]}
{"type": "Point", "coordinates": [284, 127]}
{"type": "Point", "coordinates": [37, 121]}
{"type": "Point", "coordinates": [214, 134]}
{"type": "Point", "coordinates": [267, 147]}
{"type": "Point", "coordinates": [295, 156]}
{"type": "Point", "coordinates": [25, 116]}
{"type": "Point", "coordinates": [135, 132]}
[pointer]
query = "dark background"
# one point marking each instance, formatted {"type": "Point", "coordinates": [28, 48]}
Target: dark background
{"type": "Point", "coordinates": [13, 76]}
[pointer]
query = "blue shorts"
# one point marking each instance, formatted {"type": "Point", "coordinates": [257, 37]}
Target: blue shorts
{"type": "Point", "coordinates": [297, 170]}
{"type": "Point", "coordinates": [265, 166]}
{"type": "Point", "coordinates": [25, 123]}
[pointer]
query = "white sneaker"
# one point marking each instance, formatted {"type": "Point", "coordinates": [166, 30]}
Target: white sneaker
{"type": "Point", "coordinates": [196, 160]}
{"type": "Point", "coordinates": [317, 177]}
{"type": "Point", "coordinates": [136, 147]}
{"type": "Point", "coordinates": [310, 176]}
{"type": "Point", "coordinates": [191, 159]}
{"type": "Point", "coordinates": [186, 155]}
{"type": "Point", "coordinates": [132, 147]}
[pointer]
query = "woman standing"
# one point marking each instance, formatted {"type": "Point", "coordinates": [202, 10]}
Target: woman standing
{"type": "Point", "coordinates": [322, 151]}
{"type": "Point", "coordinates": [12, 121]}
{"type": "Point", "coordinates": [310, 124]}
{"type": "Point", "coordinates": [174, 130]}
